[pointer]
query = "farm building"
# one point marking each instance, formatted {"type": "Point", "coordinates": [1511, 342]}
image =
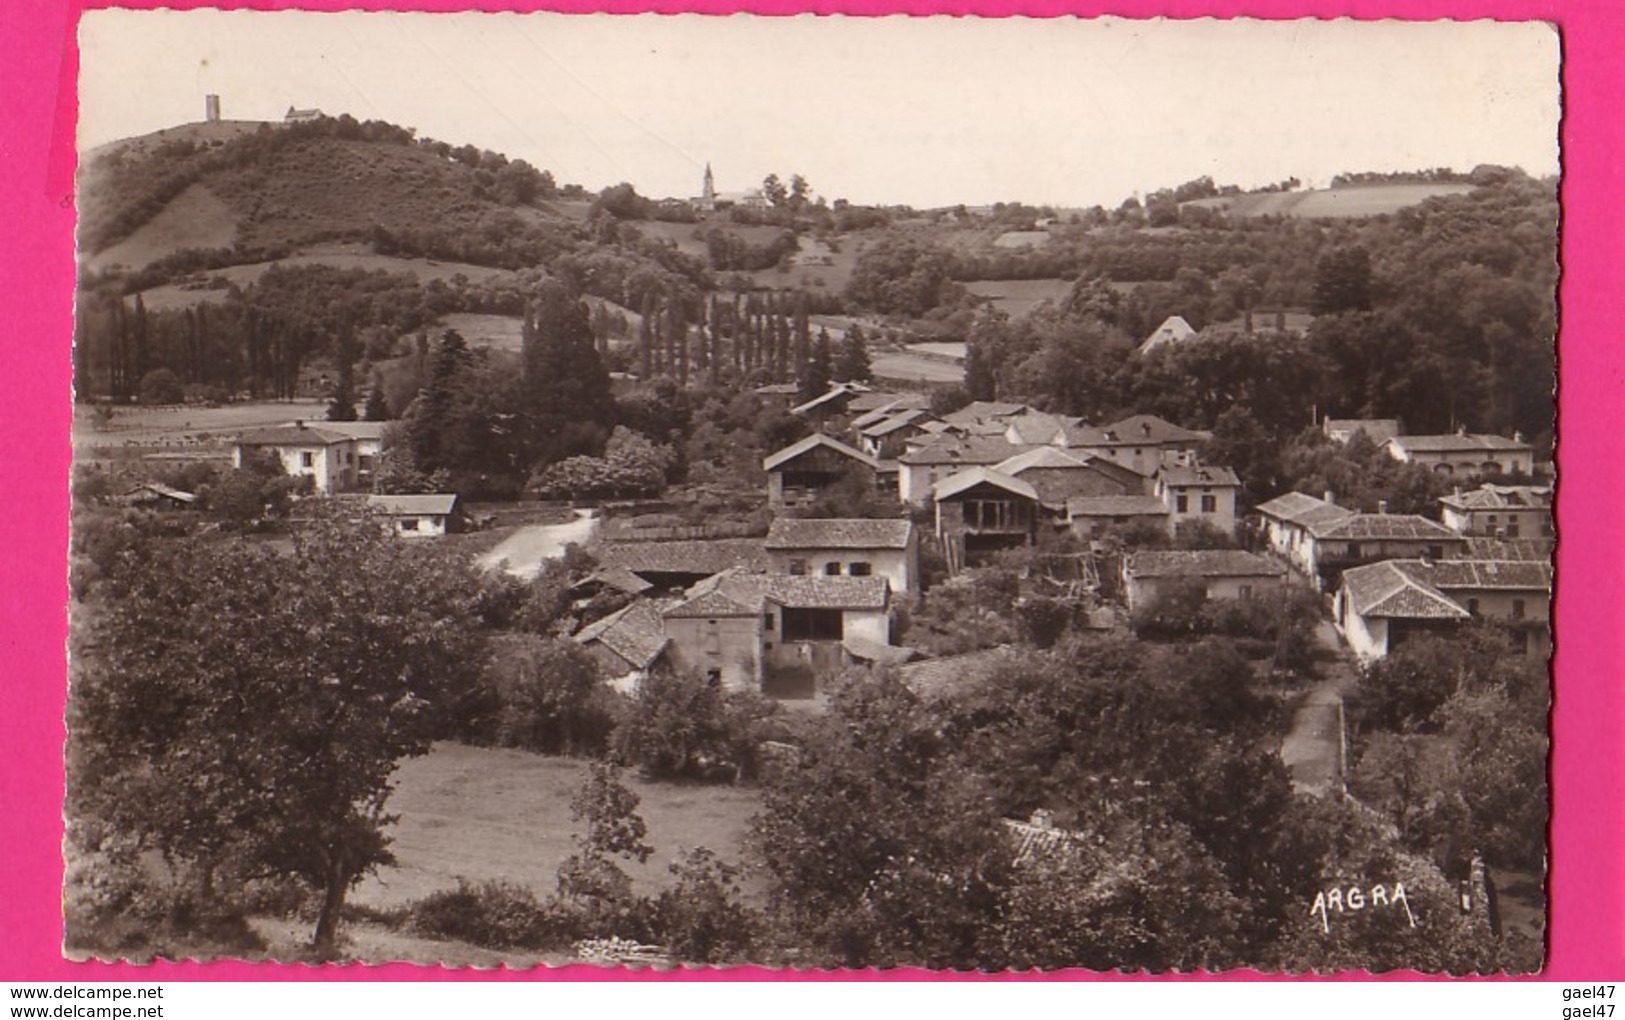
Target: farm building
{"type": "Point", "coordinates": [1094, 517]}
{"type": "Point", "coordinates": [425, 515]}
{"type": "Point", "coordinates": [1223, 573]}
{"type": "Point", "coordinates": [626, 643]}
{"type": "Point", "coordinates": [981, 511]}
{"type": "Point", "coordinates": [1173, 329]}
{"type": "Point", "coordinates": [679, 564]}
{"type": "Point", "coordinates": [799, 473]}
{"type": "Point", "coordinates": [1060, 475]}
{"type": "Point", "coordinates": [920, 469]}
{"type": "Point", "coordinates": [846, 547]}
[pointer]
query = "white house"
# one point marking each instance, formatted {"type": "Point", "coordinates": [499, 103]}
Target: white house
{"type": "Point", "coordinates": [326, 456]}
{"type": "Point", "coordinates": [1198, 493]}
{"type": "Point", "coordinates": [1379, 605]}
{"type": "Point", "coordinates": [368, 437]}
{"type": "Point", "coordinates": [846, 547]}
{"type": "Point", "coordinates": [1500, 511]}
{"type": "Point", "coordinates": [425, 515]}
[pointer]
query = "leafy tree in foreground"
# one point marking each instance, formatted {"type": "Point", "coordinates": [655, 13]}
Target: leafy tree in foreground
{"type": "Point", "coordinates": [241, 710]}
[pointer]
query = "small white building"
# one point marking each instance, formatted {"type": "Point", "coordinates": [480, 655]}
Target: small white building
{"type": "Point", "coordinates": [425, 515]}
{"type": "Point", "coordinates": [1198, 493]}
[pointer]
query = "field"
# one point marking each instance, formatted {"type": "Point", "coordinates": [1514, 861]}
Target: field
{"type": "Point", "coordinates": [196, 218]}
{"type": "Point", "coordinates": [1339, 203]}
{"type": "Point", "coordinates": [339, 256]}
{"type": "Point", "coordinates": [161, 426]}
{"type": "Point", "coordinates": [482, 813]}
{"type": "Point", "coordinates": [906, 367]}
{"type": "Point", "coordinates": [1018, 297]}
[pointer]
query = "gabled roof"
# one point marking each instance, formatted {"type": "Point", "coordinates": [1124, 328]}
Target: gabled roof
{"type": "Point", "coordinates": [1039, 427]}
{"type": "Point", "coordinates": [839, 533]}
{"type": "Point", "coordinates": [635, 633]}
{"type": "Point", "coordinates": [971, 450]}
{"type": "Point", "coordinates": [1202, 563]}
{"type": "Point", "coordinates": [1481, 575]}
{"type": "Point", "coordinates": [872, 401]}
{"type": "Point", "coordinates": [1458, 443]}
{"type": "Point", "coordinates": [1116, 506]}
{"type": "Point", "coordinates": [789, 389]}
{"type": "Point", "coordinates": [1386, 590]}
{"type": "Point", "coordinates": [1043, 457]}
{"type": "Point", "coordinates": [1303, 510]}
{"type": "Point", "coordinates": [1148, 429]}
{"type": "Point", "coordinates": [1198, 474]}
{"type": "Point", "coordinates": [891, 424]}
{"type": "Point", "coordinates": [354, 429]}
{"type": "Point", "coordinates": [432, 504]}
{"type": "Point", "coordinates": [881, 413]}
{"type": "Point", "coordinates": [731, 592]}
{"type": "Point", "coordinates": [842, 391]}
{"type": "Point", "coordinates": [1537, 550]}
{"type": "Point", "coordinates": [1501, 497]}
{"type": "Point", "coordinates": [1173, 329]}
{"type": "Point", "coordinates": [618, 578]}
{"type": "Point", "coordinates": [969, 479]}
{"type": "Point", "coordinates": [812, 442]}
{"type": "Point", "coordinates": [695, 556]}
{"type": "Point", "coordinates": [978, 411]}
{"type": "Point", "coordinates": [1376, 527]}
{"type": "Point", "coordinates": [291, 435]}
{"type": "Point", "coordinates": [815, 591]}
{"type": "Point", "coordinates": [159, 489]}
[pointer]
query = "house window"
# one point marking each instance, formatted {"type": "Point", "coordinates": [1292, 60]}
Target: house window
{"type": "Point", "coordinates": [1518, 609]}
{"type": "Point", "coordinates": [1182, 503]}
{"type": "Point", "coordinates": [832, 569]}
{"type": "Point", "coordinates": [1354, 550]}
{"type": "Point", "coordinates": [1435, 552]}
{"type": "Point", "coordinates": [713, 677]}
{"type": "Point", "coordinates": [798, 567]}
{"type": "Point", "coordinates": [859, 569]}
{"type": "Point", "coordinates": [1210, 504]}
{"type": "Point", "coordinates": [813, 625]}
{"type": "Point", "coordinates": [409, 524]}
{"type": "Point", "coordinates": [1245, 591]}
{"type": "Point", "coordinates": [1512, 529]}
{"type": "Point", "coordinates": [307, 459]}
{"type": "Point", "coordinates": [767, 621]}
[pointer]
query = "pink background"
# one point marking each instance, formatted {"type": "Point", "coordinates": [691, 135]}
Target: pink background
{"type": "Point", "coordinates": [37, 75]}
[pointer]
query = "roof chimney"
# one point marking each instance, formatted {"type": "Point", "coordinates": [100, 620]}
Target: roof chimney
{"type": "Point", "coordinates": [1330, 498]}
{"type": "Point", "coordinates": [1461, 430]}
{"type": "Point", "coordinates": [1382, 506]}
{"type": "Point", "coordinates": [1145, 427]}
{"type": "Point", "coordinates": [1517, 437]}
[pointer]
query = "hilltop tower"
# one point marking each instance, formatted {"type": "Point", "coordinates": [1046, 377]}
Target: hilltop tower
{"type": "Point", "coordinates": [211, 108]}
{"type": "Point", "coordinates": [708, 190]}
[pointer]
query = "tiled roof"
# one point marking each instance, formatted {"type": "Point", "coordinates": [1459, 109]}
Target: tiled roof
{"type": "Point", "coordinates": [1039, 427]}
{"type": "Point", "coordinates": [354, 429]}
{"type": "Point", "coordinates": [889, 425]}
{"type": "Point", "coordinates": [1304, 510]}
{"type": "Point", "coordinates": [1480, 575]}
{"type": "Point", "coordinates": [432, 503]}
{"type": "Point", "coordinates": [820, 592]}
{"type": "Point", "coordinates": [1501, 497]}
{"type": "Point", "coordinates": [868, 418]}
{"type": "Point", "coordinates": [1182, 474]}
{"type": "Point", "coordinates": [952, 673]}
{"type": "Point", "coordinates": [1148, 429]}
{"type": "Point", "coordinates": [710, 556]}
{"type": "Point", "coordinates": [1526, 549]}
{"type": "Point", "coordinates": [838, 533]}
{"type": "Point", "coordinates": [635, 633]}
{"type": "Point", "coordinates": [291, 435]}
{"type": "Point", "coordinates": [814, 441]}
{"type": "Point", "coordinates": [618, 578]}
{"type": "Point", "coordinates": [1458, 443]}
{"type": "Point", "coordinates": [840, 391]}
{"type": "Point", "coordinates": [865, 402]}
{"type": "Point", "coordinates": [1116, 506]}
{"type": "Point", "coordinates": [1375, 527]}
{"type": "Point", "coordinates": [983, 410]}
{"type": "Point", "coordinates": [1202, 563]}
{"type": "Point", "coordinates": [1386, 590]}
{"type": "Point", "coordinates": [1042, 457]}
{"type": "Point", "coordinates": [968, 451]}
{"type": "Point", "coordinates": [729, 593]}
{"type": "Point", "coordinates": [972, 477]}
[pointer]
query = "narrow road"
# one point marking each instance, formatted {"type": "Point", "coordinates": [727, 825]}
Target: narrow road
{"type": "Point", "coordinates": [523, 553]}
{"type": "Point", "coordinates": [1313, 746]}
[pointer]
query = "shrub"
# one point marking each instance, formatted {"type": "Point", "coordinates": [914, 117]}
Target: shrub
{"type": "Point", "coordinates": [161, 386]}
{"type": "Point", "coordinates": [497, 915]}
{"type": "Point", "coordinates": [701, 919]}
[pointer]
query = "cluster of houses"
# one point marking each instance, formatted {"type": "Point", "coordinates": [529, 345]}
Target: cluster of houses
{"type": "Point", "coordinates": [818, 593]}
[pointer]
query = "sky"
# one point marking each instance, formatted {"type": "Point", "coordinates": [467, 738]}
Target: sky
{"type": "Point", "coordinates": [919, 111]}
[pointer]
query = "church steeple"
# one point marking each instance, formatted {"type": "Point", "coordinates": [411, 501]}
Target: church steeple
{"type": "Point", "coordinates": [708, 190]}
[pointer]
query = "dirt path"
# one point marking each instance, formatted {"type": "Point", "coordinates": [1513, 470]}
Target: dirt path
{"type": "Point", "coordinates": [1313, 746]}
{"type": "Point", "coordinates": [523, 552]}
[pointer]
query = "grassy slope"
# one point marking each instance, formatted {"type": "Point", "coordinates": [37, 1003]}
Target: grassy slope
{"type": "Point", "coordinates": [485, 814]}
{"type": "Point", "coordinates": [1341, 203]}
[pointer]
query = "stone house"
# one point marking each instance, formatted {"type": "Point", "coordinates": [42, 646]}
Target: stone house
{"type": "Point", "coordinates": [981, 511]}
{"type": "Point", "coordinates": [846, 547]}
{"type": "Point", "coordinates": [1223, 573]}
{"type": "Point", "coordinates": [799, 473]}
{"type": "Point", "coordinates": [1198, 493]}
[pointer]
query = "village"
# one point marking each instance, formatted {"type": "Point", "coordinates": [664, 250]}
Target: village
{"type": "Point", "coordinates": [756, 578]}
